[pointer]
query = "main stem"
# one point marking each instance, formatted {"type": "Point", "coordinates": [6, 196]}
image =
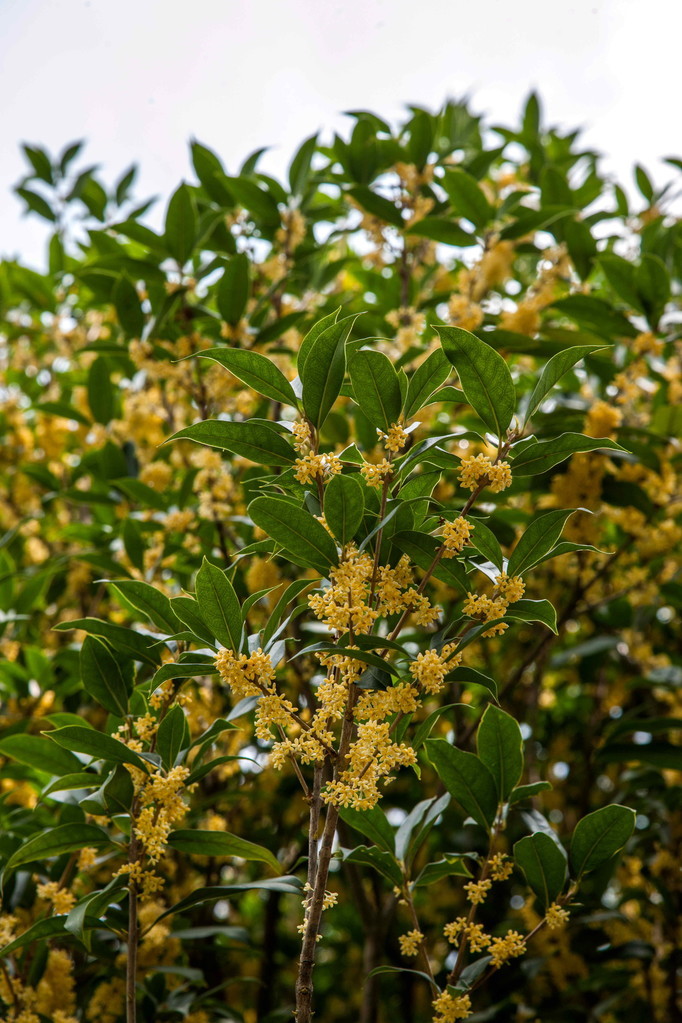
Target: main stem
{"type": "Point", "coordinates": [304, 982]}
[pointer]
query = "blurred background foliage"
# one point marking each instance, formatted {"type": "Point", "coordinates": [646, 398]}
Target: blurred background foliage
{"type": "Point", "coordinates": [510, 232]}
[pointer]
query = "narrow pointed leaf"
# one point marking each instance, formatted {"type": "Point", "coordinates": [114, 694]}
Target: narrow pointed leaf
{"type": "Point", "coordinates": [296, 530]}
{"type": "Point", "coordinates": [500, 747]}
{"type": "Point", "coordinates": [599, 836]}
{"type": "Point", "coordinates": [259, 443]}
{"type": "Point", "coordinates": [255, 370]}
{"type": "Point", "coordinates": [484, 376]}
{"type": "Point", "coordinates": [467, 779]}
{"type": "Point", "coordinates": [543, 864]}
{"type": "Point", "coordinates": [219, 605]}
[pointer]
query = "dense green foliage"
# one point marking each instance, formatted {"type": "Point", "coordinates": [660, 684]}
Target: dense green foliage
{"type": "Point", "coordinates": [340, 546]}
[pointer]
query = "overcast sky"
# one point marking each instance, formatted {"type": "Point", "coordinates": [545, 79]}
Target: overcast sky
{"type": "Point", "coordinates": [138, 78]}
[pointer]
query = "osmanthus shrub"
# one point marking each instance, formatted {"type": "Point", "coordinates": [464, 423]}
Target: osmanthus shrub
{"type": "Point", "coordinates": [339, 573]}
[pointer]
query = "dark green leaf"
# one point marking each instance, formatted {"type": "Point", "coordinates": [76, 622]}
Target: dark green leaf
{"type": "Point", "coordinates": [37, 751]}
{"type": "Point", "coordinates": [537, 458]}
{"type": "Point", "coordinates": [250, 440]}
{"type": "Point", "coordinates": [467, 196]}
{"type": "Point", "coordinates": [527, 791]}
{"type": "Point", "coordinates": [344, 507]}
{"type": "Point", "coordinates": [255, 370]}
{"type": "Point", "coordinates": [538, 539]}
{"type": "Point", "coordinates": [440, 229]}
{"type": "Point", "coordinates": [172, 736]}
{"type": "Point", "coordinates": [125, 641]}
{"type": "Point", "coordinates": [56, 841]}
{"type": "Point", "coordinates": [534, 611]}
{"type": "Point", "coordinates": [128, 308]}
{"type": "Point", "coordinates": [472, 676]}
{"type": "Point", "coordinates": [484, 376]}
{"type": "Point", "coordinates": [500, 747]}
{"type": "Point", "coordinates": [543, 864]}
{"type": "Point", "coordinates": [219, 605]}
{"type": "Point", "coordinates": [102, 677]}
{"type": "Point", "coordinates": [233, 290]}
{"type": "Point", "coordinates": [219, 844]}
{"type": "Point", "coordinates": [181, 224]}
{"type": "Point", "coordinates": [466, 778]}
{"type": "Point", "coordinates": [97, 745]}
{"type": "Point", "coordinates": [101, 398]}
{"type": "Point", "coordinates": [376, 387]}
{"type": "Point", "coordinates": [599, 836]}
{"type": "Point", "coordinates": [154, 604]}
{"type": "Point", "coordinates": [426, 379]}
{"type": "Point", "coordinates": [296, 530]}
{"type": "Point", "coordinates": [323, 370]}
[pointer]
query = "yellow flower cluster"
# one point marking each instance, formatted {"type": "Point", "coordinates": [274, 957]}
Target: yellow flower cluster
{"type": "Point", "coordinates": [410, 942]}
{"type": "Point", "coordinates": [395, 439]}
{"type": "Point", "coordinates": [477, 469]}
{"type": "Point", "coordinates": [477, 891]}
{"type": "Point", "coordinates": [343, 606]}
{"type": "Point", "coordinates": [509, 588]}
{"type": "Point", "coordinates": [450, 1008]}
{"type": "Point", "coordinates": [429, 669]}
{"type": "Point", "coordinates": [509, 947]}
{"type": "Point", "coordinates": [375, 473]}
{"type": "Point", "coordinates": [162, 806]}
{"type": "Point", "coordinates": [311, 468]}
{"type": "Point", "coordinates": [474, 934]}
{"type": "Point", "coordinates": [371, 758]}
{"type": "Point", "coordinates": [302, 438]}
{"type": "Point", "coordinates": [501, 867]}
{"type": "Point", "coordinates": [409, 326]}
{"type": "Point", "coordinates": [487, 609]}
{"type": "Point", "coordinates": [455, 535]}
{"type": "Point", "coordinates": [556, 916]}
{"type": "Point", "coordinates": [61, 899]}
{"type": "Point", "coordinates": [293, 229]}
{"type": "Point", "coordinates": [602, 420]}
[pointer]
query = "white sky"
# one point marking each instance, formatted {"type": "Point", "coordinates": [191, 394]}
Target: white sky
{"type": "Point", "coordinates": [138, 78]}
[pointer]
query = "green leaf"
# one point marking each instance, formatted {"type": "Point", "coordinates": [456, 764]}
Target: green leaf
{"type": "Point", "coordinates": [97, 745]}
{"type": "Point", "coordinates": [258, 443]}
{"type": "Point", "coordinates": [36, 751]}
{"type": "Point", "coordinates": [534, 611]}
{"type": "Point", "coordinates": [344, 506]}
{"type": "Point", "coordinates": [473, 676]}
{"type": "Point", "coordinates": [653, 285]}
{"type": "Point", "coordinates": [467, 779]}
{"type": "Point", "coordinates": [500, 747]}
{"type": "Point", "coordinates": [219, 605]}
{"type": "Point", "coordinates": [255, 370]}
{"type": "Point", "coordinates": [154, 604]}
{"type": "Point", "coordinates": [221, 843]}
{"type": "Point", "coordinates": [299, 168]}
{"type": "Point", "coordinates": [181, 224]}
{"type": "Point", "coordinates": [376, 387]}
{"type": "Point", "coordinates": [40, 162]}
{"type": "Point", "coordinates": [256, 200]}
{"type": "Point", "coordinates": [597, 316]}
{"type": "Point", "coordinates": [296, 530]}
{"type": "Point", "coordinates": [422, 548]}
{"type": "Point", "coordinates": [543, 864]}
{"type": "Point", "coordinates": [50, 927]}
{"type": "Point", "coordinates": [323, 370]}
{"type": "Point", "coordinates": [486, 543]}
{"type": "Point", "coordinates": [467, 196]}
{"type": "Point", "coordinates": [128, 308]}
{"type": "Point", "coordinates": [416, 827]}
{"type": "Point", "coordinates": [527, 791]}
{"type": "Point", "coordinates": [102, 677]}
{"type": "Point", "coordinates": [92, 907]}
{"type": "Point", "coordinates": [125, 641]}
{"type": "Point", "coordinates": [484, 376]}
{"type": "Point", "coordinates": [378, 859]}
{"type": "Point", "coordinates": [37, 204]}
{"type": "Point", "coordinates": [426, 379]}
{"type": "Point", "coordinates": [183, 669]}
{"type": "Point", "coordinates": [172, 736]}
{"type": "Point", "coordinates": [233, 290]}
{"type": "Point", "coordinates": [372, 824]}
{"type": "Point", "coordinates": [101, 397]}
{"type": "Point", "coordinates": [55, 841]}
{"type": "Point", "coordinates": [288, 885]}
{"type": "Point", "coordinates": [377, 205]}
{"type": "Point", "coordinates": [621, 275]}
{"type": "Point", "coordinates": [537, 458]}
{"type": "Point", "coordinates": [599, 836]}
{"type": "Point", "coordinates": [538, 539]}
{"type": "Point", "coordinates": [188, 612]}
{"type": "Point", "coordinates": [447, 867]}
{"type": "Point", "coordinates": [440, 229]}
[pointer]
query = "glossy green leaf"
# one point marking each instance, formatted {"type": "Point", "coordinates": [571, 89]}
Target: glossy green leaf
{"type": "Point", "coordinates": [250, 440]}
{"type": "Point", "coordinates": [500, 747]}
{"type": "Point", "coordinates": [101, 397]}
{"type": "Point", "coordinates": [472, 676]}
{"type": "Point", "coordinates": [467, 197]}
{"type": "Point", "coordinates": [543, 865]}
{"type": "Point", "coordinates": [467, 779]}
{"type": "Point", "coordinates": [376, 387]}
{"type": "Point", "coordinates": [233, 291]}
{"type": "Point", "coordinates": [538, 539]}
{"type": "Point", "coordinates": [103, 678]}
{"type": "Point", "coordinates": [256, 371]}
{"type": "Point", "coordinates": [537, 458]}
{"type": "Point", "coordinates": [486, 543]}
{"type": "Point", "coordinates": [172, 736]}
{"type": "Point", "coordinates": [65, 838]}
{"type": "Point", "coordinates": [296, 530]}
{"type": "Point", "coordinates": [323, 370]}
{"type": "Point", "coordinates": [125, 641]}
{"type": "Point", "coordinates": [154, 604]}
{"type": "Point", "coordinates": [220, 844]}
{"type": "Point", "coordinates": [426, 380]}
{"type": "Point", "coordinates": [38, 752]}
{"type": "Point", "coordinates": [181, 224]}
{"type": "Point", "coordinates": [128, 308]}
{"type": "Point", "coordinates": [219, 605]}
{"type": "Point", "coordinates": [484, 376]}
{"type": "Point", "coordinates": [344, 506]}
{"type": "Point", "coordinates": [448, 867]}
{"type": "Point", "coordinates": [97, 745]}
{"type": "Point", "coordinates": [378, 859]}
{"type": "Point", "coordinates": [553, 372]}
{"type": "Point", "coordinates": [525, 610]}
{"type": "Point", "coordinates": [528, 791]}
{"type": "Point", "coordinates": [599, 836]}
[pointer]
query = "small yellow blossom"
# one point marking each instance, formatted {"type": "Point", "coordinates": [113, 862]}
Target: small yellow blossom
{"type": "Point", "coordinates": [375, 474]}
{"type": "Point", "coordinates": [510, 588]}
{"type": "Point", "coordinates": [477, 469]}
{"type": "Point", "coordinates": [410, 942]}
{"type": "Point", "coordinates": [509, 947]}
{"type": "Point", "coordinates": [501, 867]}
{"type": "Point", "coordinates": [311, 468]}
{"type": "Point", "coordinates": [450, 1008]}
{"type": "Point", "coordinates": [556, 916]}
{"type": "Point", "coordinates": [455, 535]}
{"type": "Point", "coordinates": [477, 891]}
{"type": "Point", "coordinates": [395, 439]}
